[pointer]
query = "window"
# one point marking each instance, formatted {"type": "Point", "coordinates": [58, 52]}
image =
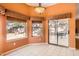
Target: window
{"type": "Point", "coordinates": [16, 29]}
{"type": "Point", "coordinates": [36, 28]}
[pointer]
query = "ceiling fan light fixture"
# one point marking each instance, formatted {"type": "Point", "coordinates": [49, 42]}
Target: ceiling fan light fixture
{"type": "Point", "coordinates": [39, 9]}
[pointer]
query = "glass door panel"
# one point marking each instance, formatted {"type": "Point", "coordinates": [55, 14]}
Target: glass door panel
{"type": "Point", "coordinates": [63, 32]}
{"type": "Point", "coordinates": [58, 31]}
{"type": "Point", "coordinates": [52, 32]}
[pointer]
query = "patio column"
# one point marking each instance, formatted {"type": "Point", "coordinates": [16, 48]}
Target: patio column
{"type": "Point", "coordinates": [72, 42]}
{"type": "Point", "coordinates": [2, 30]}
{"type": "Point", "coordinates": [29, 29]}
{"type": "Point", "coordinates": [46, 29]}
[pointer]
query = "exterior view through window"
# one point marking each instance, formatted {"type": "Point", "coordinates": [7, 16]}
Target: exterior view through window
{"type": "Point", "coordinates": [37, 28]}
{"type": "Point", "coordinates": [16, 29]}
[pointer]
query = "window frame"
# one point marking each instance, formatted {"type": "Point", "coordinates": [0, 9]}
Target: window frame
{"type": "Point", "coordinates": [17, 20]}
{"type": "Point", "coordinates": [42, 28]}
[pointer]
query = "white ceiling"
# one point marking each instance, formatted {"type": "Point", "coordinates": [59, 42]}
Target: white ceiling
{"type": "Point", "coordinates": [43, 4]}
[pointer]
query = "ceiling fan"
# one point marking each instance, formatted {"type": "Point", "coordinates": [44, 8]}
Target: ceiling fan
{"type": "Point", "coordinates": [40, 9]}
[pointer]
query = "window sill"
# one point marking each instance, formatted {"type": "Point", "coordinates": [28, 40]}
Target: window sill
{"type": "Point", "coordinates": [12, 40]}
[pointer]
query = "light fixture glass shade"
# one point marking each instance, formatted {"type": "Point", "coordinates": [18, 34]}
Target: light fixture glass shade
{"type": "Point", "coordinates": [39, 9]}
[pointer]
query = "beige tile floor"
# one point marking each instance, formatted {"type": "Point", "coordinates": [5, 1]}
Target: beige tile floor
{"type": "Point", "coordinates": [43, 50]}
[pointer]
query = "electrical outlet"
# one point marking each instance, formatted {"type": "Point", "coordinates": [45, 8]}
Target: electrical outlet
{"type": "Point", "coordinates": [14, 43]}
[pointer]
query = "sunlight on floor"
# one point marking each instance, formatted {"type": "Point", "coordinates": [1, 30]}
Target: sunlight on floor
{"type": "Point", "coordinates": [43, 50]}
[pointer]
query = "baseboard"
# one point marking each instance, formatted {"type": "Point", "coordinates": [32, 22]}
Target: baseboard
{"type": "Point", "coordinates": [72, 48]}
{"type": "Point", "coordinates": [36, 43]}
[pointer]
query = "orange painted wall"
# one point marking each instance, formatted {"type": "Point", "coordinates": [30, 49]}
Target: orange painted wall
{"type": "Point", "coordinates": [2, 32]}
{"type": "Point", "coordinates": [4, 44]}
{"type": "Point", "coordinates": [61, 9]}
{"type": "Point", "coordinates": [27, 10]}
{"type": "Point", "coordinates": [17, 7]}
{"type": "Point", "coordinates": [10, 45]}
{"type": "Point", "coordinates": [35, 39]}
{"type": "Point", "coordinates": [22, 8]}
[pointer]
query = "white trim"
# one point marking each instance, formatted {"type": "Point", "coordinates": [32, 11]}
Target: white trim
{"type": "Point", "coordinates": [72, 48]}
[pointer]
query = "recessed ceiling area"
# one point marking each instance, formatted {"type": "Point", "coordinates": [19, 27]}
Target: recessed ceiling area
{"type": "Point", "coordinates": [43, 4]}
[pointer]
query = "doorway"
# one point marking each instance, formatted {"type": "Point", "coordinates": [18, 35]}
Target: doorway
{"type": "Point", "coordinates": [59, 32]}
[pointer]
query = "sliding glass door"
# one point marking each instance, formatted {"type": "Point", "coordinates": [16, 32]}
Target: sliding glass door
{"type": "Point", "coordinates": [63, 32]}
{"type": "Point", "coordinates": [58, 32]}
{"type": "Point", "coordinates": [53, 31]}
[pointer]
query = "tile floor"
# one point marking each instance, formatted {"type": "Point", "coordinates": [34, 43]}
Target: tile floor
{"type": "Point", "coordinates": [43, 50]}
